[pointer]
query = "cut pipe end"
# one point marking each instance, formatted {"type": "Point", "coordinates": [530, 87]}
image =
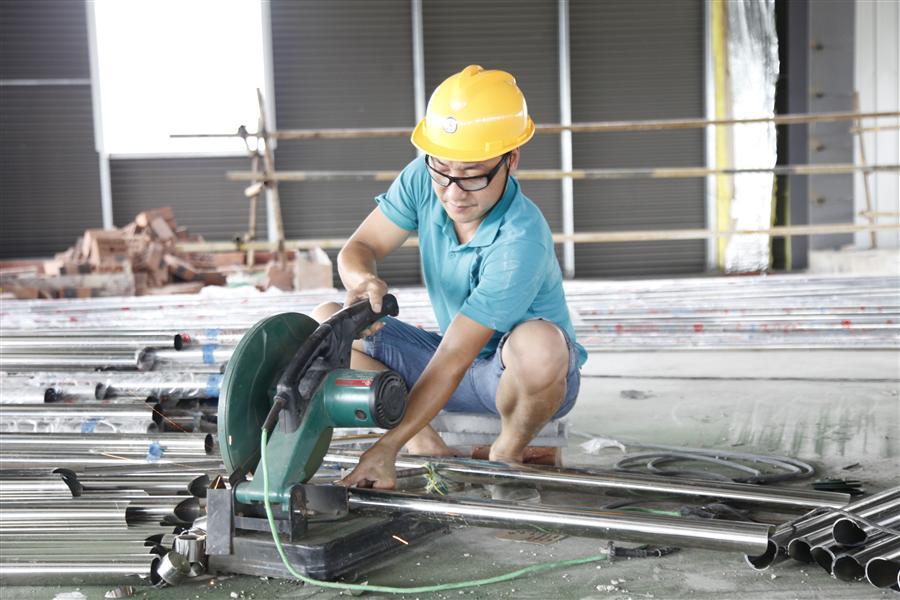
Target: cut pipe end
{"type": "Point", "coordinates": [761, 562]}
{"type": "Point", "coordinates": [823, 556]}
{"type": "Point", "coordinates": [847, 532]}
{"type": "Point", "coordinates": [800, 551]}
{"type": "Point", "coordinates": [846, 568]}
{"type": "Point", "coordinates": [883, 573]}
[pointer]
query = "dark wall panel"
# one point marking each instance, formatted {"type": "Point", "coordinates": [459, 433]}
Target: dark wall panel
{"type": "Point", "coordinates": [49, 174]}
{"type": "Point", "coordinates": [638, 60]}
{"type": "Point", "coordinates": [518, 37]}
{"type": "Point", "coordinates": [196, 189]}
{"type": "Point", "coordinates": [43, 39]}
{"type": "Point", "coordinates": [342, 64]}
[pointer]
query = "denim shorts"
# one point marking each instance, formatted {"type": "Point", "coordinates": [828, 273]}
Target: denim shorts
{"type": "Point", "coordinates": [407, 350]}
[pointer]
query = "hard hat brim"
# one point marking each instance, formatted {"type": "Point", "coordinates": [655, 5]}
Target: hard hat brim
{"type": "Point", "coordinates": [421, 141]}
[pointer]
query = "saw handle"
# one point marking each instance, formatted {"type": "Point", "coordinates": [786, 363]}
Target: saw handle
{"type": "Point", "coordinates": [359, 316]}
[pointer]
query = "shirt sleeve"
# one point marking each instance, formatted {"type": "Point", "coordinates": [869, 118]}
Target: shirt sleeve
{"type": "Point", "coordinates": [400, 202]}
{"type": "Point", "coordinates": [509, 280]}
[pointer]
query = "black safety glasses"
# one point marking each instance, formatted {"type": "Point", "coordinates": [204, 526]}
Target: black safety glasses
{"type": "Point", "coordinates": [467, 184]}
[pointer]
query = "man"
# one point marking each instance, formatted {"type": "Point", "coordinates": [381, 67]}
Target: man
{"type": "Point", "coordinates": [508, 346]}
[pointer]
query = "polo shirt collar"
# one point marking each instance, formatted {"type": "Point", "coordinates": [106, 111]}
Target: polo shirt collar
{"type": "Point", "coordinates": [487, 230]}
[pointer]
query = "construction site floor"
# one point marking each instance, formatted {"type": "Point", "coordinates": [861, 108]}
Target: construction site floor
{"type": "Point", "coordinates": [838, 410]}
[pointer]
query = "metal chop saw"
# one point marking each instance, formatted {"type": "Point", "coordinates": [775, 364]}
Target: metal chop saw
{"type": "Point", "coordinates": [291, 376]}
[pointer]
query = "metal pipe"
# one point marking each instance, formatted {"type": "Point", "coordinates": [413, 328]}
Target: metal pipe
{"type": "Point", "coordinates": [616, 525]}
{"type": "Point", "coordinates": [65, 443]}
{"type": "Point", "coordinates": [195, 486]}
{"type": "Point", "coordinates": [101, 459]}
{"type": "Point", "coordinates": [140, 360]}
{"type": "Point", "coordinates": [777, 549]}
{"type": "Point", "coordinates": [207, 358]}
{"type": "Point", "coordinates": [73, 418]}
{"type": "Point", "coordinates": [163, 385]}
{"type": "Point", "coordinates": [851, 566]}
{"type": "Point", "coordinates": [593, 479]}
{"type": "Point", "coordinates": [96, 570]}
{"type": "Point", "coordinates": [884, 571]}
{"type": "Point", "coordinates": [848, 532]}
{"type": "Point", "coordinates": [73, 514]}
{"type": "Point", "coordinates": [35, 488]}
{"type": "Point", "coordinates": [800, 547]}
{"type": "Point", "coordinates": [82, 344]}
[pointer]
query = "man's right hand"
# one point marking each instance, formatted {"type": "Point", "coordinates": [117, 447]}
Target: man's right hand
{"type": "Point", "coordinates": [372, 289]}
{"type": "Point", "coordinates": [375, 469]}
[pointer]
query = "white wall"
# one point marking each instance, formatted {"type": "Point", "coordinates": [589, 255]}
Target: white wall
{"type": "Point", "coordinates": [877, 78]}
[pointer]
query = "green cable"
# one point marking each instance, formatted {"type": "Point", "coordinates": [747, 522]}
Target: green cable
{"type": "Point", "coordinates": [395, 590]}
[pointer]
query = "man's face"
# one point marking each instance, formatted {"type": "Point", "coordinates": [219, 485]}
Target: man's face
{"type": "Point", "coordinates": [466, 207]}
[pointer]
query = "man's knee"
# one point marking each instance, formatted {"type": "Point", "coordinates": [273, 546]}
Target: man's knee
{"type": "Point", "coordinates": [325, 310]}
{"type": "Point", "coordinates": [537, 353]}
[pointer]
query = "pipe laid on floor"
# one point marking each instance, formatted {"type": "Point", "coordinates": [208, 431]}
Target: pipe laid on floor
{"type": "Point", "coordinates": [607, 524]}
{"type": "Point", "coordinates": [777, 550]}
{"type": "Point", "coordinates": [884, 571]}
{"type": "Point", "coordinates": [74, 418]}
{"type": "Point", "coordinates": [851, 566]}
{"type": "Point", "coordinates": [141, 360]}
{"type": "Point", "coordinates": [800, 548]}
{"type": "Point", "coordinates": [591, 479]}
{"type": "Point", "coordinates": [94, 570]}
{"type": "Point", "coordinates": [848, 532]}
{"type": "Point", "coordinates": [66, 443]}
{"type": "Point", "coordinates": [86, 344]}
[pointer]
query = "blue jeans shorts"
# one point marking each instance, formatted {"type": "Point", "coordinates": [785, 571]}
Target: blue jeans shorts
{"type": "Point", "coordinates": [407, 350]}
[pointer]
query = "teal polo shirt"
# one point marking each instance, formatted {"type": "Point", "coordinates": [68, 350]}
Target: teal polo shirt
{"type": "Point", "coordinates": [506, 274]}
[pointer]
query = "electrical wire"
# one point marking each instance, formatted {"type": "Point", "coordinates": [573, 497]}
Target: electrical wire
{"type": "Point", "coordinates": [386, 589]}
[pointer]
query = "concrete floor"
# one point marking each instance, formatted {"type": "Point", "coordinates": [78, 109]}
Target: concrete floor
{"type": "Point", "coordinates": [831, 408]}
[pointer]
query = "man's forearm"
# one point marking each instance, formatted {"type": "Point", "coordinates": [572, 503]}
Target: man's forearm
{"type": "Point", "coordinates": [356, 263]}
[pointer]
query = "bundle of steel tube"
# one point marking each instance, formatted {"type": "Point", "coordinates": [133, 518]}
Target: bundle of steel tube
{"type": "Point", "coordinates": [98, 508]}
{"type": "Point", "coordinates": [844, 542]}
{"type": "Point", "coordinates": [774, 311]}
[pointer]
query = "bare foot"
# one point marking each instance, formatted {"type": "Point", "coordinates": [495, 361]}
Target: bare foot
{"type": "Point", "coordinates": [428, 443]}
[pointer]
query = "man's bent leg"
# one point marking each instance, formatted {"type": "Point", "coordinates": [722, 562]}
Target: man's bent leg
{"type": "Point", "coordinates": [532, 387]}
{"type": "Point", "coordinates": [426, 442]}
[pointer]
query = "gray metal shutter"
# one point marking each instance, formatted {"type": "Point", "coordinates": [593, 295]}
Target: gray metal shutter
{"type": "Point", "coordinates": [196, 189]}
{"type": "Point", "coordinates": [638, 60]}
{"type": "Point", "coordinates": [518, 37]}
{"type": "Point", "coordinates": [342, 64]}
{"type": "Point", "coordinates": [50, 178]}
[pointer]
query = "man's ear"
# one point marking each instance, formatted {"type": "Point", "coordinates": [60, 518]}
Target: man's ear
{"type": "Point", "coordinates": [514, 160]}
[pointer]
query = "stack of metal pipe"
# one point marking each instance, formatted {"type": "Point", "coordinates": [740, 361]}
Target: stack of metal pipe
{"type": "Point", "coordinates": [98, 508]}
{"type": "Point", "coordinates": [861, 541]}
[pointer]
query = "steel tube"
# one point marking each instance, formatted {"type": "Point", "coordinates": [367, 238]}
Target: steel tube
{"type": "Point", "coordinates": [851, 566]}
{"type": "Point", "coordinates": [884, 571]}
{"type": "Point", "coordinates": [64, 443]}
{"type": "Point", "coordinates": [82, 344]}
{"type": "Point", "coordinates": [584, 479]}
{"type": "Point", "coordinates": [848, 532]}
{"type": "Point", "coordinates": [777, 550]}
{"type": "Point", "coordinates": [141, 360]}
{"type": "Point", "coordinates": [800, 548]}
{"type": "Point", "coordinates": [96, 570]}
{"type": "Point", "coordinates": [35, 488]}
{"type": "Point", "coordinates": [72, 418]}
{"type": "Point", "coordinates": [616, 525]}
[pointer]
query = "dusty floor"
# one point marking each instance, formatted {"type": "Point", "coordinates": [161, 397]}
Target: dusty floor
{"type": "Point", "coordinates": [832, 408]}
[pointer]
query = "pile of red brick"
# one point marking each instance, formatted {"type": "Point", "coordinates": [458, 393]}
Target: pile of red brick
{"type": "Point", "coordinates": [137, 259]}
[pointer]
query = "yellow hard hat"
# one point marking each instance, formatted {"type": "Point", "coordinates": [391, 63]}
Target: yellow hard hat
{"type": "Point", "coordinates": [474, 115]}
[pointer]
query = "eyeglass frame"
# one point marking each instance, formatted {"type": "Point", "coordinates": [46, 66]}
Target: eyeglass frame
{"type": "Point", "coordinates": [489, 175]}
